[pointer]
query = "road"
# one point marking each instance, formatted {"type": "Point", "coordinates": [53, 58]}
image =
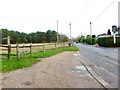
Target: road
{"type": "Point", "coordinates": [103, 61]}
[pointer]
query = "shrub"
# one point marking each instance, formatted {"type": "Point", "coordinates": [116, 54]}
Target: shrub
{"type": "Point", "coordinates": [88, 40]}
{"type": "Point", "coordinates": [108, 42]}
{"type": "Point", "coordinates": [82, 40]}
{"type": "Point", "coordinates": [93, 40]}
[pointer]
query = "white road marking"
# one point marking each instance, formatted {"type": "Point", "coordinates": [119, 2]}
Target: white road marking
{"type": "Point", "coordinates": [75, 54]}
{"type": "Point", "coordinates": [104, 68]}
{"type": "Point", "coordinates": [112, 61]}
{"type": "Point", "coordinates": [81, 67]}
{"type": "Point", "coordinates": [107, 71]}
{"type": "Point", "coordinates": [99, 79]}
{"type": "Point", "coordinates": [78, 53]}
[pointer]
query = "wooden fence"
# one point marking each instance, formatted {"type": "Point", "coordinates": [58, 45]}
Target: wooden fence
{"type": "Point", "coordinates": [28, 49]}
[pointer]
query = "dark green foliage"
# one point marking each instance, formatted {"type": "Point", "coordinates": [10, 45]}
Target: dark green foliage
{"type": "Point", "coordinates": [108, 32]}
{"type": "Point", "coordinates": [108, 42]}
{"type": "Point", "coordinates": [39, 37]}
{"type": "Point", "coordinates": [4, 34]}
{"type": "Point", "coordinates": [0, 37]}
{"type": "Point", "coordinates": [93, 36]}
{"type": "Point", "coordinates": [88, 40]}
{"type": "Point", "coordinates": [34, 37]}
{"type": "Point", "coordinates": [23, 37]}
{"type": "Point", "coordinates": [14, 37]}
{"type": "Point", "coordinates": [93, 40]}
{"type": "Point", "coordinates": [82, 40]}
{"type": "Point", "coordinates": [51, 36]}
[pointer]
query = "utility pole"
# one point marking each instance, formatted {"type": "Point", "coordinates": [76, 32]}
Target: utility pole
{"type": "Point", "coordinates": [8, 39]}
{"type": "Point", "coordinates": [70, 31]}
{"type": "Point", "coordinates": [57, 31]}
{"type": "Point", "coordinates": [91, 31]}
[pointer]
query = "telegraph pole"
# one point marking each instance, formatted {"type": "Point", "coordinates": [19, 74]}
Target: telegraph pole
{"type": "Point", "coordinates": [91, 31]}
{"type": "Point", "coordinates": [70, 31]}
{"type": "Point", "coordinates": [8, 40]}
{"type": "Point", "coordinates": [57, 31]}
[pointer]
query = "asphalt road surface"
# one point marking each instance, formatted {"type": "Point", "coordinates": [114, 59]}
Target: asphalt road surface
{"type": "Point", "coordinates": [104, 62]}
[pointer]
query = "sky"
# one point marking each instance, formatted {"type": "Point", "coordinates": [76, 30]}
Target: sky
{"type": "Point", "coordinates": [42, 15]}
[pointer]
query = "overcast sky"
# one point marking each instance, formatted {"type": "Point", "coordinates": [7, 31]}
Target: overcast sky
{"type": "Point", "coordinates": [41, 15]}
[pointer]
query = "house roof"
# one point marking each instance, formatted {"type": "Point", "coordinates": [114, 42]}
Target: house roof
{"type": "Point", "coordinates": [118, 28]}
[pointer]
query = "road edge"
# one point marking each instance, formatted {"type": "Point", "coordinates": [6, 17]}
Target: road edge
{"type": "Point", "coordinates": [94, 75]}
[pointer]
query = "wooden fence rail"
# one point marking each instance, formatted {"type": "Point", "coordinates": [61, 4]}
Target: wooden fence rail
{"type": "Point", "coordinates": [31, 46]}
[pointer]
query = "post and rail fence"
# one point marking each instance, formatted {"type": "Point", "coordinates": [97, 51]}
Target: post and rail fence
{"type": "Point", "coordinates": [30, 48]}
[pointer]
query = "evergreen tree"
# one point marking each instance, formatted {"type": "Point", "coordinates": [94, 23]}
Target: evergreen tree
{"type": "Point", "coordinates": [34, 37]}
{"type": "Point", "coordinates": [108, 32]}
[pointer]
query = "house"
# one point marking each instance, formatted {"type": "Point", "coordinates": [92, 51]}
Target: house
{"type": "Point", "coordinates": [103, 35]}
{"type": "Point", "coordinates": [117, 34]}
{"type": "Point", "coordinates": [118, 31]}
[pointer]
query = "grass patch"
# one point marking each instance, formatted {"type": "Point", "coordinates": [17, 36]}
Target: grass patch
{"type": "Point", "coordinates": [13, 64]}
{"type": "Point", "coordinates": [55, 51]}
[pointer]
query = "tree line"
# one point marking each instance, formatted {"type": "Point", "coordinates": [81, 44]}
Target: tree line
{"type": "Point", "coordinates": [17, 37]}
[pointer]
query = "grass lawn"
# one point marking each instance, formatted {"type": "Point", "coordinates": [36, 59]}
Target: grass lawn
{"type": "Point", "coordinates": [13, 64]}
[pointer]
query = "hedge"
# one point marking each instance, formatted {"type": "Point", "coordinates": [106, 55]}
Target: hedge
{"type": "Point", "coordinates": [108, 42]}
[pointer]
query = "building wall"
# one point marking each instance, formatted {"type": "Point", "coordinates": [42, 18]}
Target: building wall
{"type": "Point", "coordinates": [119, 30]}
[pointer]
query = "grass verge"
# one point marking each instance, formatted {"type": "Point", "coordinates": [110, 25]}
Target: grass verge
{"type": "Point", "coordinates": [13, 64]}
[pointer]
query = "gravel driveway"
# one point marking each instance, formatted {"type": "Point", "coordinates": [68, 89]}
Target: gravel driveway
{"type": "Point", "coordinates": [63, 70]}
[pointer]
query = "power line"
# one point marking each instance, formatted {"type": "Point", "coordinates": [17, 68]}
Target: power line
{"type": "Point", "coordinates": [85, 8]}
{"type": "Point", "coordinates": [104, 10]}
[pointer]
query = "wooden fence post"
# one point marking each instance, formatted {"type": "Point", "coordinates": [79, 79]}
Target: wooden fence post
{"type": "Point", "coordinates": [55, 45]}
{"type": "Point", "coordinates": [17, 52]}
{"type": "Point", "coordinates": [66, 44]}
{"type": "Point", "coordinates": [24, 51]}
{"type": "Point", "coordinates": [63, 44]}
{"type": "Point", "coordinates": [43, 48]}
{"type": "Point", "coordinates": [9, 51]}
{"type": "Point", "coordinates": [30, 51]}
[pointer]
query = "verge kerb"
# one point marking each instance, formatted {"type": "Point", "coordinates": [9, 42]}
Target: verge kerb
{"type": "Point", "coordinates": [94, 75]}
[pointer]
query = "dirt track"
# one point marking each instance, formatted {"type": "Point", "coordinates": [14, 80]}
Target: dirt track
{"type": "Point", "coordinates": [59, 71]}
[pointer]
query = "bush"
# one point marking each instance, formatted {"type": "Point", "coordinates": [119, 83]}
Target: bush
{"type": "Point", "coordinates": [108, 42]}
{"type": "Point", "coordinates": [93, 41]}
{"type": "Point", "coordinates": [88, 40]}
{"type": "Point", "coordinates": [82, 40]}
